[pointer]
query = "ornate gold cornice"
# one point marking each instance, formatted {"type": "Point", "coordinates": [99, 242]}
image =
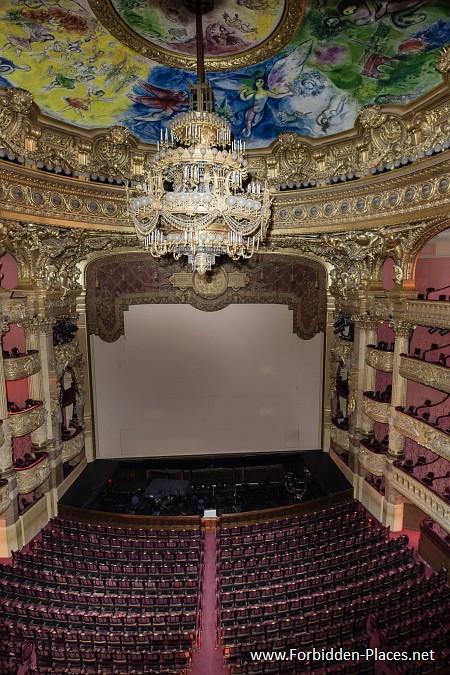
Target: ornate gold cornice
{"type": "Point", "coordinates": [25, 422]}
{"type": "Point", "coordinates": [372, 461]}
{"type": "Point", "coordinates": [22, 366]}
{"type": "Point", "coordinates": [418, 494]}
{"type": "Point", "coordinates": [340, 437]}
{"type": "Point", "coordinates": [422, 433]}
{"type": "Point", "coordinates": [379, 359]}
{"type": "Point", "coordinates": [72, 447]}
{"type": "Point", "coordinates": [431, 374]}
{"type": "Point", "coordinates": [30, 479]}
{"type": "Point", "coordinates": [376, 410]}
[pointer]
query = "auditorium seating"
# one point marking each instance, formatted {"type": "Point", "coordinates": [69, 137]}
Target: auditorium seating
{"type": "Point", "coordinates": [93, 599]}
{"type": "Point", "coordinates": [96, 599]}
{"type": "Point", "coordinates": [314, 582]}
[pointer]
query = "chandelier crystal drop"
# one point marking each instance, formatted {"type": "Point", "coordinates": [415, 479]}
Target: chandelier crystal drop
{"type": "Point", "coordinates": [197, 198]}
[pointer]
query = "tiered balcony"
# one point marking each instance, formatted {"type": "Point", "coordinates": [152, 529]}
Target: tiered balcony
{"type": "Point", "coordinates": [73, 445]}
{"type": "Point", "coordinates": [32, 476]}
{"type": "Point", "coordinates": [27, 420]}
{"type": "Point", "coordinates": [375, 409]}
{"type": "Point", "coordinates": [424, 498]}
{"type": "Point", "coordinates": [425, 372]}
{"type": "Point", "coordinates": [339, 436]}
{"type": "Point", "coordinates": [5, 498]}
{"type": "Point", "coordinates": [423, 433]}
{"type": "Point", "coordinates": [22, 366]}
{"type": "Point", "coordinates": [381, 359]}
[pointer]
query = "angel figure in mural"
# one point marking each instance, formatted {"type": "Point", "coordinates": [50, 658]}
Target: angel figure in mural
{"type": "Point", "coordinates": [163, 102]}
{"type": "Point", "coordinates": [286, 77]}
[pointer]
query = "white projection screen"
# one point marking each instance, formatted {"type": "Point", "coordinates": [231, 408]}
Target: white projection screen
{"type": "Point", "coordinates": [186, 382]}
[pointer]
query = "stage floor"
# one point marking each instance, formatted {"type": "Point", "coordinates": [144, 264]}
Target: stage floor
{"type": "Point", "coordinates": [228, 484]}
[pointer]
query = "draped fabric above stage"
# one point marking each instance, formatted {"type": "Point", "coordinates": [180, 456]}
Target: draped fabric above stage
{"type": "Point", "coordinates": [115, 283]}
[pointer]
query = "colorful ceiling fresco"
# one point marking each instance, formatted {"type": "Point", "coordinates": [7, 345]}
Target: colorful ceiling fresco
{"type": "Point", "coordinates": [346, 54]}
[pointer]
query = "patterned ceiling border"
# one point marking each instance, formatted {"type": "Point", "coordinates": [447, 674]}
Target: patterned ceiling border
{"type": "Point", "coordinates": [116, 282]}
{"type": "Point", "coordinates": [284, 32]}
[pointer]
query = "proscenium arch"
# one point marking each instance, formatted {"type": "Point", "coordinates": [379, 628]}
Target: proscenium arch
{"type": "Point", "coordinates": [114, 282]}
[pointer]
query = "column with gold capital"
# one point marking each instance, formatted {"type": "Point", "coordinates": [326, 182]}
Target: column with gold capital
{"type": "Point", "coordinates": [6, 456]}
{"type": "Point", "coordinates": [402, 330]}
{"type": "Point", "coordinates": [366, 334]}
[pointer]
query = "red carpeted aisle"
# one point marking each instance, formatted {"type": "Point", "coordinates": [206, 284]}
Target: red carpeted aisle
{"type": "Point", "coordinates": [208, 660]}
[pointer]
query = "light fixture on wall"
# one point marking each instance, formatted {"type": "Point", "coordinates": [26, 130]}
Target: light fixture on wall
{"type": "Point", "coordinates": [197, 198]}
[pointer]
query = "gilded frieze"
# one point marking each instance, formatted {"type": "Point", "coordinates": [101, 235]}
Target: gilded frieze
{"type": "Point", "coordinates": [422, 433]}
{"type": "Point", "coordinates": [425, 499]}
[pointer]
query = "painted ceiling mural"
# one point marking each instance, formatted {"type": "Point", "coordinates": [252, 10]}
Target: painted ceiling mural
{"type": "Point", "coordinates": [346, 54]}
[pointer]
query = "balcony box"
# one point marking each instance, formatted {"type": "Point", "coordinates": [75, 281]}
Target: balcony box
{"type": "Point", "coordinates": [26, 421]}
{"type": "Point", "coordinates": [22, 366]}
{"type": "Point", "coordinates": [339, 436]}
{"type": "Point", "coordinates": [377, 410]}
{"type": "Point", "coordinates": [73, 446]}
{"type": "Point", "coordinates": [31, 477]}
{"type": "Point", "coordinates": [422, 433]}
{"type": "Point", "coordinates": [432, 374]}
{"type": "Point", "coordinates": [372, 461]}
{"type": "Point", "coordinates": [379, 359]}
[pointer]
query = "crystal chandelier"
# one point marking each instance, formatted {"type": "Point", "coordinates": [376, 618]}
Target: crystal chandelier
{"type": "Point", "coordinates": [197, 198]}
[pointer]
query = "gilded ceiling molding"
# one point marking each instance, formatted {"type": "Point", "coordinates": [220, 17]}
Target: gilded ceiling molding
{"type": "Point", "coordinates": [274, 42]}
{"type": "Point", "coordinates": [382, 137]}
{"type": "Point", "coordinates": [114, 283]}
{"type": "Point", "coordinates": [395, 198]}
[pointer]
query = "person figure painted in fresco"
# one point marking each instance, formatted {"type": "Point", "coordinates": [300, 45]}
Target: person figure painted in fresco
{"type": "Point", "coordinates": [363, 12]}
{"type": "Point", "coordinates": [259, 98]}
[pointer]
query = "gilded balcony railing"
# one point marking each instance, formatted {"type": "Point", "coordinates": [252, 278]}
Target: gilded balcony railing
{"type": "Point", "coordinates": [72, 446]}
{"type": "Point", "coordinates": [21, 366]}
{"type": "Point", "coordinates": [375, 462]}
{"type": "Point", "coordinates": [377, 410]}
{"type": "Point", "coordinates": [26, 421]}
{"type": "Point", "coordinates": [379, 359]}
{"type": "Point", "coordinates": [424, 434]}
{"type": "Point", "coordinates": [339, 436]}
{"type": "Point", "coordinates": [420, 495]}
{"type": "Point", "coordinates": [31, 477]}
{"type": "Point", "coordinates": [425, 372]}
